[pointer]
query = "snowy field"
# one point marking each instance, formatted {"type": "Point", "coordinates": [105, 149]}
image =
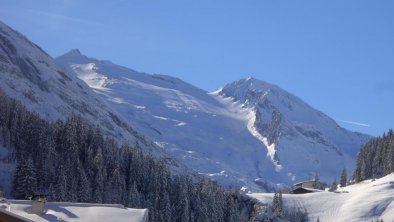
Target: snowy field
{"type": "Point", "coordinates": [365, 201]}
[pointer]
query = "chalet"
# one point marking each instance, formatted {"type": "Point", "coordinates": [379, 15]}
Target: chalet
{"type": "Point", "coordinates": [308, 186]}
{"type": "Point", "coordinates": [38, 210]}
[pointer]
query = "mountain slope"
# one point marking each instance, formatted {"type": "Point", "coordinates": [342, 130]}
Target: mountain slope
{"type": "Point", "coordinates": [288, 126]}
{"type": "Point", "coordinates": [30, 75]}
{"type": "Point", "coordinates": [366, 201]}
{"type": "Point", "coordinates": [243, 134]}
{"type": "Point", "coordinates": [187, 122]}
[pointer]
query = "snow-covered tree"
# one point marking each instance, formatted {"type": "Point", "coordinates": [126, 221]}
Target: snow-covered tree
{"type": "Point", "coordinates": [84, 190]}
{"type": "Point", "coordinates": [343, 180]}
{"type": "Point", "coordinates": [277, 205]}
{"type": "Point", "coordinates": [25, 180]}
{"type": "Point", "coordinates": [334, 185]}
{"type": "Point", "coordinates": [316, 181]}
{"type": "Point", "coordinates": [182, 202]}
{"type": "Point", "coordinates": [134, 196]}
{"type": "Point", "coordinates": [51, 193]}
{"type": "Point", "coordinates": [61, 185]}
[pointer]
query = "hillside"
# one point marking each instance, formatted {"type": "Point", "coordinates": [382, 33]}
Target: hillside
{"type": "Point", "coordinates": [71, 161]}
{"type": "Point", "coordinates": [365, 201]}
{"type": "Point", "coordinates": [31, 76]}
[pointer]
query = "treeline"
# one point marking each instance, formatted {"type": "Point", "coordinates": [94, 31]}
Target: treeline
{"type": "Point", "coordinates": [72, 161]}
{"type": "Point", "coordinates": [376, 158]}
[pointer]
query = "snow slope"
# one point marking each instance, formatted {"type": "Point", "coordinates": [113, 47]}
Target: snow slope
{"type": "Point", "coordinates": [30, 75]}
{"type": "Point", "coordinates": [365, 201]}
{"type": "Point", "coordinates": [300, 140]}
{"type": "Point", "coordinates": [208, 134]}
{"type": "Point", "coordinates": [243, 134]}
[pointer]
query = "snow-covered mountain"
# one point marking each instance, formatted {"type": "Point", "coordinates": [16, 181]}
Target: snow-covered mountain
{"type": "Point", "coordinates": [245, 134]}
{"type": "Point", "coordinates": [298, 137]}
{"type": "Point", "coordinates": [30, 75]}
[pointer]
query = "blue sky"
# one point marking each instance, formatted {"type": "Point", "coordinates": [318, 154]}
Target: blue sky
{"type": "Point", "coordinates": [336, 55]}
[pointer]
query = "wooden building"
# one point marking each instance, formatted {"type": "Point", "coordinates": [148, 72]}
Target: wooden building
{"type": "Point", "coordinates": [308, 186]}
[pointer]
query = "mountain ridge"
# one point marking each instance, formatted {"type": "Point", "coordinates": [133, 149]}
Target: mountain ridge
{"type": "Point", "coordinates": [169, 113]}
{"type": "Point", "coordinates": [30, 75]}
{"type": "Point", "coordinates": [246, 134]}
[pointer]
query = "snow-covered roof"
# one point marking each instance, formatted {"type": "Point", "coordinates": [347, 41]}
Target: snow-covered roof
{"type": "Point", "coordinates": [308, 189]}
{"type": "Point", "coordinates": [302, 182]}
{"type": "Point", "coordinates": [64, 211]}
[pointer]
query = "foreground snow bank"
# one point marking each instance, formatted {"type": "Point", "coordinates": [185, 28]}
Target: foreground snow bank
{"type": "Point", "coordinates": [365, 201]}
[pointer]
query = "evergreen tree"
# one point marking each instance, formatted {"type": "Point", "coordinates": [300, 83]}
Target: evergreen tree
{"type": "Point", "coordinates": [25, 180]}
{"type": "Point", "coordinates": [61, 186]}
{"type": "Point", "coordinates": [182, 205]}
{"type": "Point", "coordinates": [84, 192]}
{"type": "Point", "coordinates": [51, 193]}
{"type": "Point", "coordinates": [165, 213]}
{"type": "Point", "coordinates": [343, 180]}
{"type": "Point", "coordinates": [134, 196]}
{"type": "Point", "coordinates": [334, 185]}
{"type": "Point", "coordinates": [316, 181]}
{"type": "Point", "coordinates": [233, 214]}
{"type": "Point", "coordinates": [280, 204]}
{"type": "Point", "coordinates": [277, 205]}
{"type": "Point", "coordinates": [98, 181]}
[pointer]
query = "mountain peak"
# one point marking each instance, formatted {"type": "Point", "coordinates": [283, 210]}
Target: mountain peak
{"type": "Point", "coordinates": [246, 80]}
{"type": "Point", "coordinates": [250, 78]}
{"type": "Point", "coordinates": [242, 88]}
{"type": "Point", "coordinates": [74, 55]}
{"type": "Point", "coordinates": [252, 82]}
{"type": "Point", "coordinates": [73, 52]}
